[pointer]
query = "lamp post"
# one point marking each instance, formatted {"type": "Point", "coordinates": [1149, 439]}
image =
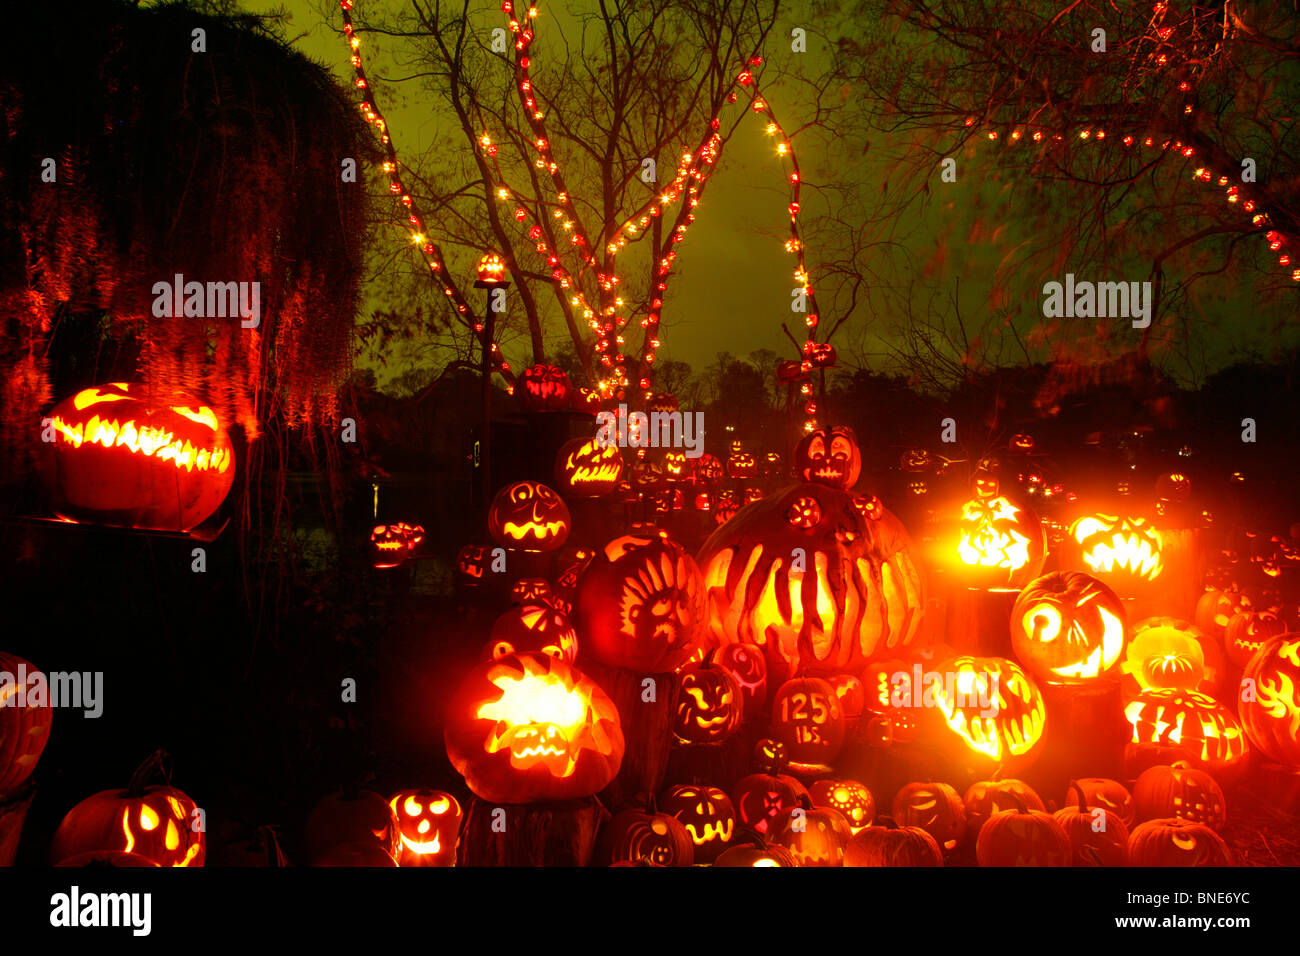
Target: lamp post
{"type": "Point", "coordinates": [491, 276]}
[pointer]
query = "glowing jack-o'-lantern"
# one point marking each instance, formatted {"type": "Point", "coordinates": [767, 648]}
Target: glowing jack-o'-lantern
{"type": "Point", "coordinates": [746, 664]}
{"type": "Point", "coordinates": [1248, 631]}
{"type": "Point", "coordinates": [428, 822]}
{"type": "Point", "coordinates": [707, 814]}
{"type": "Point", "coordinates": [756, 852]}
{"type": "Point", "coordinates": [491, 269]}
{"type": "Point", "coordinates": [888, 844]}
{"type": "Point", "coordinates": [639, 604]}
{"type": "Point", "coordinates": [1067, 627]}
{"type": "Point", "coordinates": [586, 468]}
{"type": "Point", "coordinates": [987, 797]}
{"type": "Point", "coordinates": [1169, 653]}
{"type": "Point", "coordinates": [851, 799]}
{"type": "Point", "coordinates": [936, 808]}
{"type": "Point", "coordinates": [25, 729]}
{"type": "Point", "coordinates": [529, 516]}
{"type": "Point", "coordinates": [815, 836]}
{"type": "Point", "coordinates": [1127, 547]}
{"type": "Point", "coordinates": [157, 822]}
{"type": "Point", "coordinates": [532, 591]}
{"type": "Point", "coordinates": [1199, 727]}
{"type": "Point", "coordinates": [1270, 714]}
{"type": "Point", "coordinates": [392, 544]}
{"type": "Point", "coordinates": [808, 719]}
{"type": "Point", "coordinates": [534, 627]}
{"type": "Point", "coordinates": [545, 388]}
{"type": "Point", "coordinates": [1180, 791]}
{"type": "Point", "coordinates": [740, 463]}
{"type": "Point", "coordinates": [1000, 544]}
{"type": "Point", "coordinates": [829, 457]}
{"type": "Point", "coordinates": [1217, 606]}
{"type": "Point", "coordinates": [709, 704]}
{"type": "Point", "coordinates": [815, 578]}
{"type": "Point", "coordinates": [994, 710]}
{"type": "Point", "coordinates": [760, 797]}
{"type": "Point", "coordinates": [709, 470]}
{"type": "Point", "coordinates": [472, 565]}
{"type": "Point", "coordinates": [1175, 842]}
{"type": "Point", "coordinates": [529, 727]}
{"type": "Point", "coordinates": [126, 456]}
{"type": "Point", "coordinates": [649, 835]}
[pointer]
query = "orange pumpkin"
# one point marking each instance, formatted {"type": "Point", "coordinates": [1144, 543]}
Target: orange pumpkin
{"type": "Point", "coordinates": [888, 844]}
{"type": "Point", "coordinates": [1247, 632]}
{"type": "Point", "coordinates": [1120, 549]}
{"type": "Point", "coordinates": [1068, 627]}
{"type": "Point", "coordinates": [1000, 543]}
{"type": "Point", "coordinates": [936, 808]}
{"type": "Point", "coordinates": [760, 797]}
{"type": "Point", "coordinates": [829, 456]}
{"type": "Point", "coordinates": [1023, 837]}
{"type": "Point", "coordinates": [848, 797]}
{"type": "Point", "coordinates": [1111, 795]}
{"type": "Point", "coordinates": [1167, 653]}
{"type": "Point", "coordinates": [1180, 791]}
{"type": "Point", "coordinates": [993, 711]}
{"type": "Point", "coordinates": [646, 834]}
{"type": "Point", "coordinates": [710, 706]}
{"type": "Point", "coordinates": [428, 824]}
{"type": "Point", "coordinates": [987, 797]}
{"type": "Point", "coordinates": [808, 719]}
{"type": "Point", "coordinates": [746, 664]}
{"type": "Point", "coordinates": [1270, 713]}
{"type": "Point", "coordinates": [24, 724]}
{"type": "Point", "coordinates": [529, 516]}
{"type": "Point", "coordinates": [1176, 842]}
{"type": "Point", "coordinates": [587, 468]}
{"type": "Point", "coordinates": [1199, 727]}
{"type": "Point", "coordinates": [534, 627]}
{"type": "Point", "coordinates": [706, 813]}
{"type": "Point", "coordinates": [814, 836]}
{"type": "Point", "coordinates": [1098, 837]}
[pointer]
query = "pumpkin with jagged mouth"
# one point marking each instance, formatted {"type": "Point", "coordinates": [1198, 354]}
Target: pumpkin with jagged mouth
{"type": "Point", "coordinates": [709, 705]}
{"type": "Point", "coordinates": [534, 627]}
{"type": "Point", "coordinates": [994, 709]}
{"type": "Point", "coordinates": [829, 457]}
{"type": "Point", "coordinates": [529, 727]}
{"type": "Point", "coordinates": [1126, 546]}
{"type": "Point", "coordinates": [392, 544]}
{"type": "Point", "coordinates": [707, 814]}
{"type": "Point", "coordinates": [1001, 544]}
{"type": "Point", "coordinates": [588, 468]}
{"type": "Point", "coordinates": [529, 516]}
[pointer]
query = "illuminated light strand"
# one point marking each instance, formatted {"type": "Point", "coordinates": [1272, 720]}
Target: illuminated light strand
{"type": "Point", "coordinates": [430, 251]}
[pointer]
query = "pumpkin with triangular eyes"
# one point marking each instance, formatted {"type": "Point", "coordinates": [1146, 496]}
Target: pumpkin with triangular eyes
{"type": "Point", "coordinates": [534, 627]}
{"type": "Point", "coordinates": [706, 813]}
{"type": "Point", "coordinates": [529, 516]}
{"type": "Point", "coordinates": [428, 822]}
{"type": "Point", "coordinates": [760, 797]}
{"type": "Point", "coordinates": [829, 456]}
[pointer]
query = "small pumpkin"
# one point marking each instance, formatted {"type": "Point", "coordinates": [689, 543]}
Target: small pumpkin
{"type": "Point", "coordinates": [1023, 837]}
{"type": "Point", "coordinates": [760, 797]}
{"type": "Point", "coordinates": [1098, 837]}
{"type": "Point", "coordinates": [815, 836]}
{"type": "Point", "coordinates": [987, 797]}
{"type": "Point", "coordinates": [1176, 842]}
{"type": "Point", "coordinates": [1179, 790]}
{"type": "Point", "coordinates": [646, 834]}
{"type": "Point", "coordinates": [1111, 795]}
{"type": "Point", "coordinates": [888, 844]}
{"type": "Point", "coordinates": [751, 850]}
{"type": "Point", "coordinates": [851, 799]}
{"type": "Point", "coordinates": [428, 823]}
{"type": "Point", "coordinates": [937, 808]}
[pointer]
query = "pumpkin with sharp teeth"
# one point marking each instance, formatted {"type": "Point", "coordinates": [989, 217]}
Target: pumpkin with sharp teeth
{"type": "Point", "coordinates": [815, 836]}
{"type": "Point", "coordinates": [125, 455]}
{"type": "Point", "coordinates": [820, 579]}
{"type": "Point", "coordinates": [1111, 795]}
{"type": "Point", "coordinates": [706, 813]}
{"type": "Point", "coordinates": [759, 797]}
{"type": "Point", "coordinates": [888, 844]}
{"type": "Point", "coordinates": [534, 627]}
{"type": "Point", "coordinates": [1169, 653]}
{"type": "Point", "coordinates": [851, 799]}
{"type": "Point", "coordinates": [829, 456]}
{"type": "Point", "coordinates": [529, 727]}
{"type": "Point", "coordinates": [1197, 726]}
{"type": "Point", "coordinates": [529, 516]}
{"type": "Point", "coordinates": [1068, 627]}
{"type": "Point", "coordinates": [747, 666]}
{"type": "Point", "coordinates": [1023, 837]}
{"type": "Point", "coordinates": [936, 808]}
{"type": "Point", "coordinates": [428, 822]}
{"type": "Point", "coordinates": [1180, 790]}
{"type": "Point", "coordinates": [1176, 842]}
{"type": "Point", "coordinates": [808, 719]}
{"type": "Point", "coordinates": [1247, 632]}
{"type": "Point", "coordinates": [709, 705]}
{"type": "Point", "coordinates": [1000, 543]}
{"type": "Point", "coordinates": [588, 468]}
{"type": "Point", "coordinates": [1270, 715]}
{"type": "Point", "coordinates": [649, 835]}
{"type": "Point", "coordinates": [639, 604]}
{"type": "Point", "coordinates": [545, 388]}
{"type": "Point", "coordinates": [1125, 548]}
{"type": "Point", "coordinates": [994, 711]}
{"type": "Point", "coordinates": [392, 544]}
{"type": "Point", "coordinates": [472, 565]}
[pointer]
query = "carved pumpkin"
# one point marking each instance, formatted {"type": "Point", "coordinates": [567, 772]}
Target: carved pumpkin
{"type": "Point", "coordinates": [528, 516]}
{"type": "Point", "coordinates": [24, 723]}
{"type": "Point", "coordinates": [1127, 549]}
{"type": "Point", "coordinates": [1247, 632]}
{"type": "Point", "coordinates": [1167, 653]}
{"type": "Point", "coordinates": [351, 817]}
{"type": "Point", "coordinates": [1023, 837]}
{"type": "Point", "coordinates": [1111, 795]}
{"type": "Point", "coordinates": [829, 457]}
{"type": "Point", "coordinates": [534, 627]}
{"type": "Point", "coordinates": [808, 719]}
{"type": "Point", "coordinates": [756, 852]}
{"type": "Point", "coordinates": [773, 465]}
{"type": "Point", "coordinates": [531, 591]}
{"type": "Point", "coordinates": [157, 822]}
{"type": "Point", "coordinates": [472, 564]}
{"type": "Point", "coordinates": [710, 706]}
{"type": "Point", "coordinates": [1175, 842]}
{"type": "Point", "coordinates": [1180, 791]}
{"type": "Point", "coordinates": [987, 797]}
{"type": "Point", "coordinates": [707, 815]}
{"type": "Point", "coordinates": [994, 710]}
{"type": "Point", "coordinates": [428, 824]}
{"type": "Point", "coordinates": [851, 694]}
{"type": "Point", "coordinates": [584, 399]}
{"type": "Point", "coordinates": [811, 577]}
{"type": "Point", "coordinates": [640, 604]}
{"type": "Point", "coordinates": [759, 797]}
{"type": "Point", "coordinates": [124, 455]}
{"type": "Point", "coordinates": [1199, 727]}
{"type": "Point", "coordinates": [1000, 543]}
{"type": "Point", "coordinates": [708, 470]}
{"type": "Point", "coordinates": [649, 835]}
{"type": "Point", "coordinates": [747, 666]}
{"type": "Point", "coordinates": [851, 799]}
{"type": "Point", "coordinates": [1098, 837]}
{"type": "Point", "coordinates": [740, 463]}
{"type": "Point", "coordinates": [529, 727]}
{"type": "Point", "coordinates": [1217, 606]}
{"type": "Point", "coordinates": [888, 844]}
{"type": "Point", "coordinates": [814, 836]}
{"type": "Point", "coordinates": [936, 808]}
{"type": "Point", "coordinates": [1022, 443]}
{"type": "Point", "coordinates": [1270, 713]}
{"type": "Point", "coordinates": [1068, 627]}
{"type": "Point", "coordinates": [545, 388]}
{"type": "Point", "coordinates": [392, 544]}
{"type": "Point", "coordinates": [586, 468]}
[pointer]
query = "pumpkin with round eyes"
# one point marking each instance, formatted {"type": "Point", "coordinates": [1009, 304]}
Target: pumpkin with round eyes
{"type": "Point", "coordinates": [588, 468]}
{"type": "Point", "coordinates": [759, 797]}
{"type": "Point", "coordinates": [818, 578]}
{"type": "Point", "coordinates": [848, 797]}
{"type": "Point", "coordinates": [1023, 837]}
{"type": "Point", "coordinates": [649, 835]}
{"type": "Point", "coordinates": [1110, 795]}
{"type": "Point", "coordinates": [534, 627]}
{"type": "Point", "coordinates": [1168, 653]}
{"type": "Point", "coordinates": [127, 455]}
{"type": "Point", "coordinates": [1247, 632]}
{"type": "Point", "coordinates": [994, 711]}
{"type": "Point", "coordinates": [808, 719]}
{"type": "Point", "coordinates": [1271, 714]}
{"type": "Point", "coordinates": [1000, 543]}
{"type": "Point", "coordinates": [888, 844]}
{"type": "Point", "coordinates": [545, 388]}
{"type": "Point", "coordinates": [740, 463]}
{"type": "Point", "coordinates": [24, 730]}
{"type": "Point", "coordinates": [814, 836]}
{"type": "Point", "coordinates": [936, 808]}
{"type": "Point", "coordinates": [529, 516]}
{"type": "Point", "coordinates": [1098, 835]}
{"type": "Point", "coordinates": [707, 815]}
{"type": "Point", "coordinates": [1176, 842]}
{"type": "Point", "coordinates": [747, 666]}
{"type": "Point", "coordinates": [157, 822]}
{"type": "Point", "coordinates": [709, 705]}
{"type": "Point", "coordinates": [528, 727]}
{"type": "Point", "coordinates": [1125, 549]}
{"type": "Point", "coordinates": [987, 797]}
{"type": "Point", "coordinates": [354, 816]}
{"type": "Point", "coordinates": [829, 457]}
{"type": "Point", "coordinates": [1068, 627]}
{"type": "Point", "coordinates": [1198, 727]}
{"type": "Point", "coordinates": [639, 604]}
{"type": "Point", "coordinates": [1180, 790]}
{"type": "Point", "coordinates": [428, 823]}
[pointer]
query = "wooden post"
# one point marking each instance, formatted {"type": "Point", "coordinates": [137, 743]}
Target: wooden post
{"type": "Point", "coordinates": [647, 729]}
{"type": "Point", "coordinates": [560, 833]}
{"type": "Point", "coordinates": [1084, 736]}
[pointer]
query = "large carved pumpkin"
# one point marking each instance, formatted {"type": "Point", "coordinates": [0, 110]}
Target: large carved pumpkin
{"type": "Point", "coordinates": [639, 604]}
{"type": "Point", "coordinates": [808, 719]}
{"type": "Point", "coordinates": [1000, 543]}
{"type": "Point", "coordinates": [1270, 712]}
{"type": "Point", "coordinates": [819, 578]}
{"type": "Point", "coordinates": [529, 516]}
{"type": "Point", "coordinates": [710, 706]}
{"type": "Point", "coordinates": [829, 456]}
{"type": "Point", "coordinates": [1067, 627]}
{"type": "Point", "coordinates": [1192, 724]}
{"type": "Point", "coordinates": [587, 468]}
{"type": "Point", "coordinates": [760, 797]}
{"type": "Point", "coordinates": [994, 711]}
{"type": "Point", "coordinates": [1121, 549]}
{"type": "Point", "coordinates": [1164, 652]}
{"type": "Point", "coordinates": [126, 456]}
{"type": "Point", "coordinates": [25, 729]}
{"type": "Point", "coordinates": [529, 727]}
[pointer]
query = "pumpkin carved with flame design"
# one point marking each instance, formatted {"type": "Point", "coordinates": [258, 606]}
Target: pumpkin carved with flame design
{"type": "Point", "coordinates": [1067, 627]}
{"type": "Point", "coordinates": [428, 822]}
{"type": "Point", "coordinates": [529, 727]}
{"type": "Point", "coordinates": [529, 516]}
{"type": "Point", "coordinates": [1000, 543]}
{"type": "Point", "coordinates": [707, 814]}
{"type": "Point", "coordinates": [1271, 713]}
{"type": "Point", "coordinates": [126, 456]}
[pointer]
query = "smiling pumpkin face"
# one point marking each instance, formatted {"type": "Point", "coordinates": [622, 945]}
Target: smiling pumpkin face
{"type": "Point", "coordinates": [529, 516]}
{"type": "Point", "coordinates": [707, 814]}
{"type": "Point", "coordinates": [1068, 627]}
{"type": "Point", "coordinates": [829, 457]}
{"type": "Point", "coordinates": [429, 824]}
{"type": "Point", "coordinates": [709, 705]}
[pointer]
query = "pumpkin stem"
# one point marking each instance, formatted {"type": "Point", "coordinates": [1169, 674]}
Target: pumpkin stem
{"type": "Point", "coordinates": [1018, 800]}
{"type": "Point", "coordinates": [1083, 804]}
{"type": "Point", "coordinates": [889, 823]}
{"type": "Point", "coordinates": [154, 763]}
